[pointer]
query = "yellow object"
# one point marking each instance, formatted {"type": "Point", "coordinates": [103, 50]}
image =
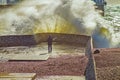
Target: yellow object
{"type": "Point", "coordinates": [55, 26]}
{"type": "Point", "coordinates": [104, 31]}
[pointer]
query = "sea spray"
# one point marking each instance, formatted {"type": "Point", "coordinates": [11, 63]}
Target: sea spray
{"type": "Point", "coordinates": [43, 16]}
{"type": "Point", "coordinates": [112, 16]}
{"type": "Point", "coordinates": [60, 16]}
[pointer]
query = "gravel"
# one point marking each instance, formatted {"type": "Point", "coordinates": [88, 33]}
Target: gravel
{"type": "Point", "coordinates": [63, 65]}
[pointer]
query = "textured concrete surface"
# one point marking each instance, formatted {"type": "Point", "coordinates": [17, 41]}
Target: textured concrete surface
{"type": "Point", "coordinates": [108, 64]}
{"type": "Point", "coordinates": [17, 40]}
{"type": "Point", "coordinates": [64, 65]}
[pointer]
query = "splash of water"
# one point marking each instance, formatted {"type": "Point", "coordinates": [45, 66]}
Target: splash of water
{"type": "Point", "coordinates": [49, 16]}
{"type": "Point", "coordinates": [113, 19]}
{"type": "Point", "coordinates": [60, 16]}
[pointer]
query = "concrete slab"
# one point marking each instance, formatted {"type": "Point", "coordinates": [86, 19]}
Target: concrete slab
{"type": "Point", "coordinates": [17, 76]}
{"type": "Point", "coordinates": [30, 57]}
{"type": "Point", "coordinates": [62, 78]}
{"type": "Point", "coordinates": [16, 79]}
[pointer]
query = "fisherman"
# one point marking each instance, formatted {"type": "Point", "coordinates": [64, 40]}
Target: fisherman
{"type": "Point", "coordinates": [49, 44]}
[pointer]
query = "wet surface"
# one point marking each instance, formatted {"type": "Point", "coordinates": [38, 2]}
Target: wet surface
{"type": "Point", "coordinates": [67, 60]}
{"type": "Point", "coordinates": [41, 50]}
